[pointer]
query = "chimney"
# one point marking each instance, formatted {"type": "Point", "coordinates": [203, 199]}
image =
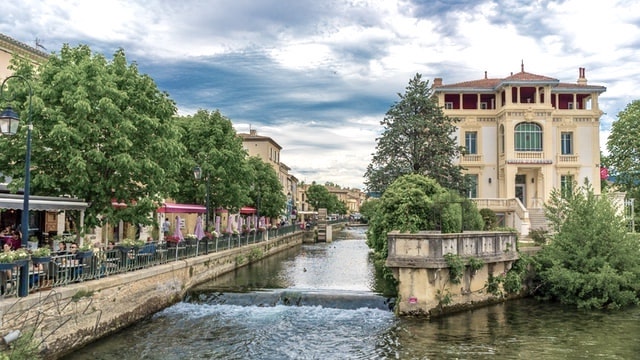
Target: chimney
{"type": "Point", "coordinates": [485, 74]}
{"type": "Point", "coordinates": [582, 80]}
{"type": "Point", "coordinates": [253, 132]}
{"type": "Point", "coordinates": [437, 82]}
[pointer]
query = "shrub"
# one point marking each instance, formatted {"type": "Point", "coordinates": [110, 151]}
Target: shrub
{"type": "Point", "coordinates": [489, 218]}
{"type": "Point", "coordinates": [539, 236]}
{"type": "Point", "coordinates": [592, 261]}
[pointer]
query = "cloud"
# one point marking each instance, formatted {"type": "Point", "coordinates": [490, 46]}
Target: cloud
{"type": "Point", "coordinates": [318, 76]}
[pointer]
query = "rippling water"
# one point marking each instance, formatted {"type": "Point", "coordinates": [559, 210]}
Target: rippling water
{"type": "Point", "coordinates": [521, 329]}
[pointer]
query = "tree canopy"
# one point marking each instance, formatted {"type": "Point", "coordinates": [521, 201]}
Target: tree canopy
{"type": "Point", "coordinates": [266, 190]}
{"type": "Point", "coordinates": [414, 203]}
{"type": "Point", "coordinates": [591, 261]}
{"type": "Point", "coordinates": [417, 139]}
{"type": "Point", "coordinates": [101, 132]}
{"type": "Point", "coordinates": [624, 153]}
{"type": "Point", "coordinates": [211, 143]}
{"type": "Point", "coordinates": [624, 147]}
{"type": "Point", "coordinates": [320, 198]}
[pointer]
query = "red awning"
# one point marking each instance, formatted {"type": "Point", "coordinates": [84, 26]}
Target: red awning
{"type": "Point", "coordinates": [247, 210]}
{"type": "Point", "coordinates": [182, 208]}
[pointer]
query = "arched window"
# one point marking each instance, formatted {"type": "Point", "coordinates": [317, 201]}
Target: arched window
{"type": "Point", "coordinates": [528, 137]}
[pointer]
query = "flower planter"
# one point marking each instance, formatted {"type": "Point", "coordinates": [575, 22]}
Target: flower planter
{"type": "Point", "coordinates": [85, 254]}
{"type": "Point", "coordinates": [41, 259]}
{"type": "Point", "coordinates": [124, 249]}
{"type": "Point", "coordinates": [21, 262]}
{"type": "Point", "coordinates": [7, 266]}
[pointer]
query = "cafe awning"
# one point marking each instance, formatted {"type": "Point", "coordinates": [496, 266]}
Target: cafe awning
{"type": "Point", "coordinates": [182, 208]}
{"type": "Point", "coordinates": [247, 210]}
{"type": "Point", "coordinates": [42, 203]}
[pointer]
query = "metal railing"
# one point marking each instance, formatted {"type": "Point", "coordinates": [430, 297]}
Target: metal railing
{"type": "Point", "coordinates": [63, 269]}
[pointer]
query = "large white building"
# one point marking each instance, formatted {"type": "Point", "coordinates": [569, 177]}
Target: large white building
{"type": "Point", "coordinates": [524, 135]}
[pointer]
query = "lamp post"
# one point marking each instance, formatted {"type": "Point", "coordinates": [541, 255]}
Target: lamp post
{"type": "Point", "coordinates": [197, 174]}
{"type": "Point", "coordinates": [293, 207]}
{"type": "Point", "coordinates": [9, 125]}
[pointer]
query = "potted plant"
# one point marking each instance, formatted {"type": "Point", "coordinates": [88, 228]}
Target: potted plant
{"type": "Point", "coordinates": [6, 260]}
{"type": "Point", "coordinates": [127, 244]}
{"type": "Point", "coordinates": [85, 250]}
{"type": "Point", "coordinates": [21, 256]}
{"type": "Point", "coordinates": [41, 255]}
{"type": "Point", "coordinates": [191, 239]}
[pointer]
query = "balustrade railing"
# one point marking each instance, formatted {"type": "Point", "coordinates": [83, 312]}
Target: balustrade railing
{"type": "Point", "coordinates": [63, 269]}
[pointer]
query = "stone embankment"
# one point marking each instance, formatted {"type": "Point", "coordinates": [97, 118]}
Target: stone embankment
{"type": "Point", "coordinates": [421, 264]}
{"type": "Point", "coordinates": [73, 316]}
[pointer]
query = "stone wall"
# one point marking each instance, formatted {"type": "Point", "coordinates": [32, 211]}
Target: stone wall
{"type": "Point", "coordinates": [418, 264]}
{"type": "Point", "coordinates": [71, 317]}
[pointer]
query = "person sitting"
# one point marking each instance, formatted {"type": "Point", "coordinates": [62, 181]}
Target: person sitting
{"type": "Point", "coordinates": [62, 249]}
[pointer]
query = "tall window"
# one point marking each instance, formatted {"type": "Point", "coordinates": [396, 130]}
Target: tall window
{"type": "Point", "coordinates": [566, 185]}
{"type": "Point", "coordinates": [471, 142]}
{"type": "Point", "coordinates": [528, 137]}
{"type": "Point", "coordinates": [471, 180]}
{"type": "Point", "coordinates": [566, 143]}
{"type": "Point", "coordinates": [501, 139]}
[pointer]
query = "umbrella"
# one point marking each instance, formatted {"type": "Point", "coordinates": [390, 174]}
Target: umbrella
{"type": "Point", "coordinates": [177, 233]}
{"type": "Point", "coordinates": [198, 231]}
{"type": "Point", "coordinates": [229, 227]}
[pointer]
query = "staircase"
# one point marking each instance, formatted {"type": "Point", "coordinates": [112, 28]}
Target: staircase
{"type": "Point", "coordinates": [538, 220]}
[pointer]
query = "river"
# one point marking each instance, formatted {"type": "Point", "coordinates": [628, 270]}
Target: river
{"type": "Point", "coordinates": [323, 301]}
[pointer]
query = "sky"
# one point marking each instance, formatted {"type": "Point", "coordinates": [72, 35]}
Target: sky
{"type": "Point", "coordinates": [318, 76]}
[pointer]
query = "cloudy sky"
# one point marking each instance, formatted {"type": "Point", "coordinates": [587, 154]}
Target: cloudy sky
{"type": "Point", "coordinates": [318, 75]}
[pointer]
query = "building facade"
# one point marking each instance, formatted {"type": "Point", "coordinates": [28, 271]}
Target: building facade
{"type": "Point", "coordinates": [525, 134]}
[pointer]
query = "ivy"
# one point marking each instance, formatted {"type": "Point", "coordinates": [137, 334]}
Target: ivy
{"type": "Point", "coordinates": [475, 264]}
{"type": "Point", "coordinates": [456, 267]}
{"type": "Point", "coordinates": [494, 285]}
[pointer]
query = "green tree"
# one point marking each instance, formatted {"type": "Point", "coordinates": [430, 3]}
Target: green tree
{"type": "Point", "coordinates": [591, 260]}
{"type": "Point", "coordinates": [624, 146]}
{"type": "Point", "coordinates": [415, 202]}
{"type": "Point", "coordinates": [368, 209]}
{"type": "Point", "coordinates": [417, 138]}
{"type": "Point", "coordinates": [319, 197]}
{"type": "Point", "coordinates": [266, 190]}
{"type": "Point", "coordinates": [623, 160]}
{"type": "Point", "coordinates": [101, 131]}
{"type": "Point", "coordinates": [212, 143]}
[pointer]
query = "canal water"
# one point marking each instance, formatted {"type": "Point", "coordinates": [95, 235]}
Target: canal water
{"type": "Point", "coordinates": [324, 301]}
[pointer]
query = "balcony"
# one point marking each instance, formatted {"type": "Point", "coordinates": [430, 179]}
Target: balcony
{"type": "Point", "coordinates": [472, 159]}
{"type": "Point", "coordinates": [528, 157]}
{"type": "Point", "coordinates": [567, 160]}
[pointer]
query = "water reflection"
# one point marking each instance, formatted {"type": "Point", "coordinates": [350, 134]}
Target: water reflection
{"type": "Point", "coordinates": [523, 329]}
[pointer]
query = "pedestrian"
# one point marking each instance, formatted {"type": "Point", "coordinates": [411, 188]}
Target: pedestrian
{"type": "Point", "coordinates": [166, 227]}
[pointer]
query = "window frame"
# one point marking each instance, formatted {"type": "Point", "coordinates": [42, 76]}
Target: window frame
{"type": "Point", "coordinates": [530, 138]}
{"type": "Point", "coordinates": [566, 144]}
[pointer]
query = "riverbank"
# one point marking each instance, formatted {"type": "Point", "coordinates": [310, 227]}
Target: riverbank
{"type": "Point", "coordinates": [73, 316]}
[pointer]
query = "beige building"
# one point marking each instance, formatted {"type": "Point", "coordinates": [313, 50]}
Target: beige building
{"type": "Point", "coordinates": [268, 150]}
{"type": "Point", "coordinates": [524, 135]}
{"type": "Point", "coordinates": [10, 47]}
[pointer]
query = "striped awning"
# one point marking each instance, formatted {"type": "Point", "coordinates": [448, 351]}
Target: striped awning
{"type": "Point", "coordinates": [46, 203]}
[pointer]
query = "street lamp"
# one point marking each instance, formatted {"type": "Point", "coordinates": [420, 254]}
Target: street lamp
{"type": "Point", "coordinates": [197, 174]}
{"type": "Point", "coordinates": [9, 125]}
